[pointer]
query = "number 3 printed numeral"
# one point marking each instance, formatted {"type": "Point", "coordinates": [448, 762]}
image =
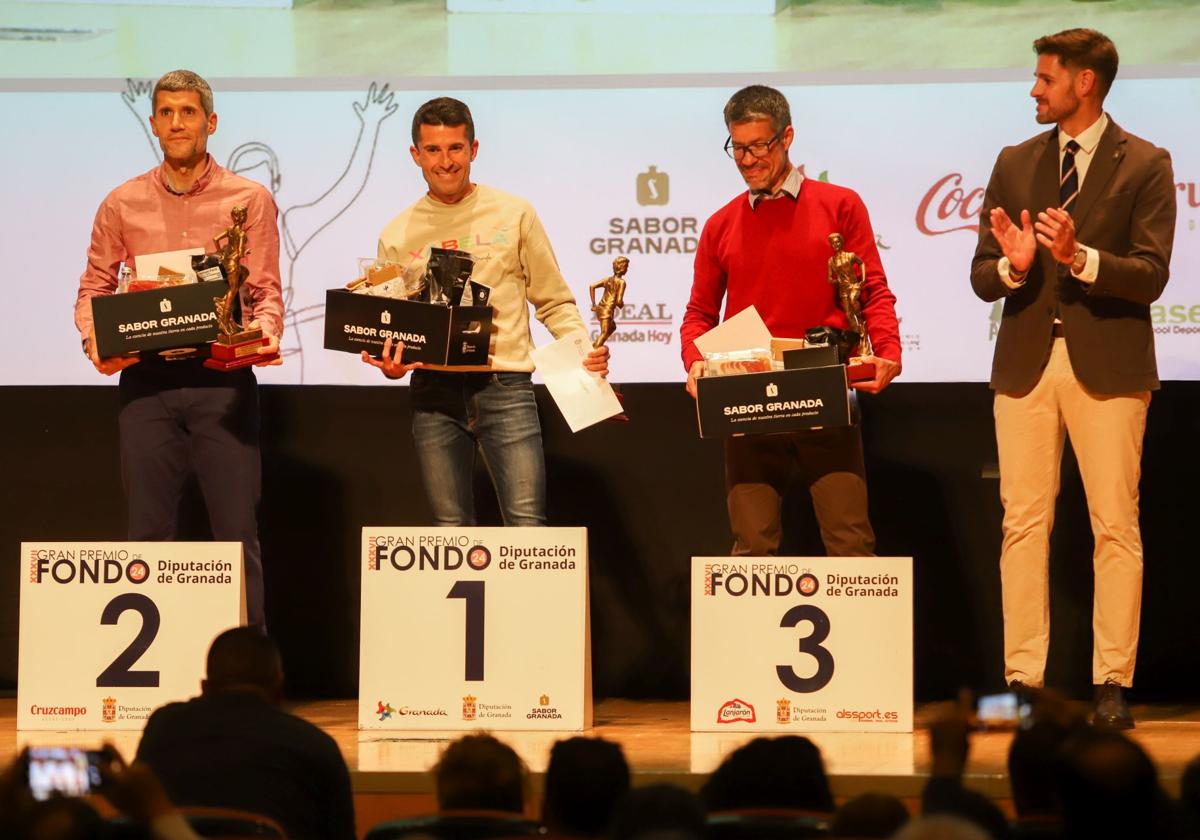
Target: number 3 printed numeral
{"type": "Point", "coordinates": [810, 644]}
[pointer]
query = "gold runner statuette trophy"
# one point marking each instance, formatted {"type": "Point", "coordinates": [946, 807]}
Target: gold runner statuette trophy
{"type": "Point", "coordinates": [848, 273]}
{"type": "Point", "coordinates": [236, 346]}
{"type": "Point", "coordinates": [611, 299]}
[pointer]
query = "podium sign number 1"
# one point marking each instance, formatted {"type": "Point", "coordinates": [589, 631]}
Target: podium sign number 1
{"type": "Point", "coordinates": [474, 628]}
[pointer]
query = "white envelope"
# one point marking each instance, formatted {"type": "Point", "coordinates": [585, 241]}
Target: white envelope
{"type": "Point", "coordinates": [583, 399]}
{"type": "Point", "coordinates": [744, 331]}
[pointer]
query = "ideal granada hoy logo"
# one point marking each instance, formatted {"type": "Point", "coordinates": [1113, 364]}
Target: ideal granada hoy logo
{"type": "Point", "coordinates": [736, 711]}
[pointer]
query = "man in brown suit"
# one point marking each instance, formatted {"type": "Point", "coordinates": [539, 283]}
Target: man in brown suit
{"type": "Point", "coordinates": [1075, 350]}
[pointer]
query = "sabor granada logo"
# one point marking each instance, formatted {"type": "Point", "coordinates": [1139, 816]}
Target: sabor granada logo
{"type": "Point", "coordinates": [736, 711]}
{"type": "Point", "coordinates": [949, 206]}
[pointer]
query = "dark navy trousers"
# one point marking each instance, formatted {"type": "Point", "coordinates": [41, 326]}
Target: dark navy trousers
{"type": "Point", "coordinates": [178, 419]}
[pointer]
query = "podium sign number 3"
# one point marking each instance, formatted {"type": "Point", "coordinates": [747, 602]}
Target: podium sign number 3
{"type": "Point", "coordinates": [802, 644]}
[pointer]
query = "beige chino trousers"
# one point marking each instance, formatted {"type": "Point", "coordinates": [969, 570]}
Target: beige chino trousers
{"type": "Point", "coordinates": [1106, 432]}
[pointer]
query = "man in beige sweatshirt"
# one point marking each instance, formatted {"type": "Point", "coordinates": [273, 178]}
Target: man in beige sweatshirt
{"type": "Point", "coordinates": [489, 408]}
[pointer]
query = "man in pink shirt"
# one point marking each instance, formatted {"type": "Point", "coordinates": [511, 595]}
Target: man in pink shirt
{"type": "Point", "coordinates": [178, 418]}
{"type": "Point", "coordinates": [769, 248]}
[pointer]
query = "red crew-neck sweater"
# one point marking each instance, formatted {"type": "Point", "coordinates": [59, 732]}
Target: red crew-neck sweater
{"type": "Point", "coordinates": [776, 256]}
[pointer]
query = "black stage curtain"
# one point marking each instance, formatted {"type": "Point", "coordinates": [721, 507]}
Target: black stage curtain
{"type": "Point", "coordinates": [650, 493]}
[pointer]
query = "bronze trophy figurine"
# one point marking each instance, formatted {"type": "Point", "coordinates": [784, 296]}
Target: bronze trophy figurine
{"type": "Point", "coordinates": [848, 273]}
{"type": "Point", "coordinates": [611, 300]}
{"type": "Point", "coordinates": [235, 347]}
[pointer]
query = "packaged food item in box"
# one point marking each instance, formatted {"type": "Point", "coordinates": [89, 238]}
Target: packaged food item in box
{"type": "Point", "coordinates": [753, 360]}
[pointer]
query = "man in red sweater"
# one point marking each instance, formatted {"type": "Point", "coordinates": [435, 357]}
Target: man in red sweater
{"type": "Point", "coordinates": [768, 248]}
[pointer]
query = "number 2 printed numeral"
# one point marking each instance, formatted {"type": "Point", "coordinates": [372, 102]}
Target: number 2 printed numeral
{"type": "Point", "coordinates": [118, 674]}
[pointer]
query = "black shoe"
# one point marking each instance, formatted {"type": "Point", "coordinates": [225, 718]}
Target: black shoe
{"type": "Point", "coordinates": [1026, 694]}
{"type": "Point", "coordinates": [1111, 712]}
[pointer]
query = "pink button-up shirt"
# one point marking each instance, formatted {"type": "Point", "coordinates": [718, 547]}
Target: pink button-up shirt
{"type": "Point", "coordinates": [144, 216]}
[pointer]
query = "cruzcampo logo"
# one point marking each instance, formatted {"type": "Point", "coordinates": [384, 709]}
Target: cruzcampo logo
{"type": "Point", "coordinates": [653, 187]}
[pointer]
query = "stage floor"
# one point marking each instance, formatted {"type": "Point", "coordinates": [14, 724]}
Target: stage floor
{"type": "Point", "coordinates": [659, 747]}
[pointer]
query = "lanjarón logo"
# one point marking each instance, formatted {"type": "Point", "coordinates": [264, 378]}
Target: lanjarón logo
{"type": "Point", "coordinates": [736, 711]}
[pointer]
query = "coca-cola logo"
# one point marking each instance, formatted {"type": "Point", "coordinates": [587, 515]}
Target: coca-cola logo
{"type": "Point", "coordinates": [948, 206]}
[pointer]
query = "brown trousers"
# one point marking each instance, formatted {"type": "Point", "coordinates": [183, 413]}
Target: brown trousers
{"type": "Point", "coordinates": [759, 469]}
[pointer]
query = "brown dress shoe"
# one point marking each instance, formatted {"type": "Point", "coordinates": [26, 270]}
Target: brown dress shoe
{"type": "Point", "coordinates": [1111, 711]}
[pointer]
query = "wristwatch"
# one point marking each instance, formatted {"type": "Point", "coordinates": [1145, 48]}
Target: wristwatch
{"type": "Point", "coordinates": [1080, 261]}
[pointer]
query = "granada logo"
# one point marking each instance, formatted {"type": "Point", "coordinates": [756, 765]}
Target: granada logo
{"type": "Point", "coordinates": [385, 710]}
{"type": "Point", "coordinates": [736, 711]}
{"type": "Point", "coordinates": [949, 206]}
{"type": "Point", "coordinates": [406, 711]}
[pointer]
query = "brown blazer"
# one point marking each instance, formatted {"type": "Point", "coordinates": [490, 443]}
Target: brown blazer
{"type": "Point", "coordinates": [1126, 211]}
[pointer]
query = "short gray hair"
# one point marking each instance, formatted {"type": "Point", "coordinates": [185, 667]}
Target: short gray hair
{"type": "Point", "coordinates": [759, 102]}
{"type": "Point", "coordinates": [183, 80]}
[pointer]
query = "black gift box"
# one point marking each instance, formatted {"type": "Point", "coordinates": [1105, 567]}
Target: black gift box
{"type": "Point", "coordinates": [773, 401]}
{"type": "Point", "coordinates": [156, 319]}
{"type": "Point", "coordinates": [432, 333]}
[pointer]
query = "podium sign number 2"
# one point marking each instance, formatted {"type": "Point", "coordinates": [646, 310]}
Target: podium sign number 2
{"type": "Point", "coordinates": [111, 631]}
{"type": "Point", "coordinates": [474, 628]}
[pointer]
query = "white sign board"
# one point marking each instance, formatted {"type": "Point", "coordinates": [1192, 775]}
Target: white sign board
{"type": "Point", "coordinates": [802, 644]}
{"type": "Point", "coordinates": [474, 628]}
{"type": "Point", "coordinates": [111, 631]}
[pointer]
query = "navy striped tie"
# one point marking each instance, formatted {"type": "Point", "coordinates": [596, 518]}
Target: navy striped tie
{"type": "Point", "coordinates": [1068, 185]}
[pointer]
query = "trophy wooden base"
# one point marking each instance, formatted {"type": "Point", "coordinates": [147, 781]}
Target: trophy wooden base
{"type": "Point", "coordinates": [858, 371]}
{"type": "Point", "coordinates": [233, 352]}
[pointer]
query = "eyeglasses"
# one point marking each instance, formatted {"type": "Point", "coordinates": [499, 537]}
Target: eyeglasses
{"type": "Point", "coordinates": [759, 150]}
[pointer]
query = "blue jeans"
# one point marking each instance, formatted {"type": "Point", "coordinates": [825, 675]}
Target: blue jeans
{"type": "Point", "coordinates": [454, 414]}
